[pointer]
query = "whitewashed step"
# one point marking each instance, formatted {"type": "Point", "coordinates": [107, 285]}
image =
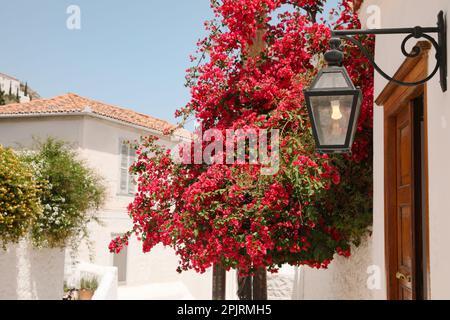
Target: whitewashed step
{"type": "Point", "coordinates": [155, 291]}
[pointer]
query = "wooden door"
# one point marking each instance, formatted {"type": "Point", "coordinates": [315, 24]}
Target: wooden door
{"type": "Point", "coordinates": [406, 180]}
{"type": "Point", "coordinates": [405, 211]}
{"type": "Point", "coordinates": [406, 214]}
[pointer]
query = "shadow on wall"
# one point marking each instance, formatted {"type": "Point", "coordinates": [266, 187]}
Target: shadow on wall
{"type": "Point", "coordinates": [31, 274]}
{"type": "Point", "coordinates": [9, 274]}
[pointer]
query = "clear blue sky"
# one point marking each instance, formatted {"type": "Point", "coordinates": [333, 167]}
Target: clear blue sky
{"type": "Point", "coordinates": [129, 53]}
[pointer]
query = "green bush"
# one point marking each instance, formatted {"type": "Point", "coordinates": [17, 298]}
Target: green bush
{"type": "Point", "coordinates": [19, 197]}
{"type": "Point", "coordinates": [70, 193]}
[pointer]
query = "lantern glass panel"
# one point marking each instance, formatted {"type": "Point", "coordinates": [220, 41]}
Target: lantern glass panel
{"type": "Point", "coordinates": [332, 116]}
{"type": "Point", "coordinates": [331, 80]}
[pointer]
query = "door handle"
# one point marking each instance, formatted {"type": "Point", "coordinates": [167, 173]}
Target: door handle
{"type": "Point", "coordinates": [401, 276]}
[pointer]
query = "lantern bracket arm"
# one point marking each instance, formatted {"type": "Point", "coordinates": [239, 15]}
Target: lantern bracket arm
{"type": "Point", "coordinates": [415, 52]}
{"type": "Point", "coordinates": [417, 32]}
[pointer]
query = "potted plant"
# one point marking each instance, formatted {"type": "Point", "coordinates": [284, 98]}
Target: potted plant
{"type": "Point", "coordinates": [88, 285]}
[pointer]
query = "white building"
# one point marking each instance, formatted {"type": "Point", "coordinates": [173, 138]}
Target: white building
{"type": "Point", "coordinates": [98, 131]}
{"type": "Point", "coordinates": [8, 83]}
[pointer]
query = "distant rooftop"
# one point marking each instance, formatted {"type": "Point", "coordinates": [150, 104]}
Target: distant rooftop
{"type": "Point", "coordinates": [3, 75]}
{"type": "Point", "coordinates": [74, 104]}
{"type": "Point", "coordinates": [31, 93]}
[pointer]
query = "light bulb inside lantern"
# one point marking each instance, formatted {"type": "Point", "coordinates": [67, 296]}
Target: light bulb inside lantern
{"type": "Point", "coordinates": [336, 110]}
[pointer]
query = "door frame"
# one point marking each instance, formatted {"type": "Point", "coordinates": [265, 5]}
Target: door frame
{"type": "Point", "coordinates": [393, 98]}
{"type": "Point", "coordinates": [125, 251]}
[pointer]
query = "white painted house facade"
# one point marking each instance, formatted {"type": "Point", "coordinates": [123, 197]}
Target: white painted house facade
{"type": "Point", "coordinates": [8, 83]}
{"type": "Point", "coordinates": [99, 133]}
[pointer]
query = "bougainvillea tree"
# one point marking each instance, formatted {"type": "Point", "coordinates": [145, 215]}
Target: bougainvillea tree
{"type": "Point", "coordinates": [251, 70]}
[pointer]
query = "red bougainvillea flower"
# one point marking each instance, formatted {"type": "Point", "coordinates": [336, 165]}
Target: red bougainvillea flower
{"type": "Point", "coordinates": [250, 73]}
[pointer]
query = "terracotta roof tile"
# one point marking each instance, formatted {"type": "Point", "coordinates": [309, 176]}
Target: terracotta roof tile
{"type": "Point", "coordinates": [72, 103]}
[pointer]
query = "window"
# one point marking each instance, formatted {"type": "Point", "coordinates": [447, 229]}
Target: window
{"type": "Point", "coordinates": [127, 158]}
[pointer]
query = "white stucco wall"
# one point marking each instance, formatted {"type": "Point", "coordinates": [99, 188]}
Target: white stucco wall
{"type": "Point", "coordinates": [283, 284]}
{"type": "Point", "coordinates": [345, 278]}
{"type": "Point", "coordinates": [28, 273]}
{"type": "Point", "coordinates": [22, 132]}
{"type": "Point", "coordinates": [409, 13]}
{"type": "Point", "coordinates": [97, 141]}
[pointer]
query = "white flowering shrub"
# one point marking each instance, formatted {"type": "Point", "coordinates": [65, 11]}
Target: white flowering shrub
{"type": "Point", "coordinates": [71, 192]}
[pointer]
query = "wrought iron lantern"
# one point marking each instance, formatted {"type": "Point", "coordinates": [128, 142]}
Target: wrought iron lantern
{"type": "Point", "coordinates": [333, 105]}
{"type": "Point", "coordinates": [334, 102]}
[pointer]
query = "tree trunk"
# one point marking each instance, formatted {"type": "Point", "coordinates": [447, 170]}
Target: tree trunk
{"type": "Point", "coordinates": [245, 287]}
{"type": "Point", "coordinates": [253, 287]}
{"type": "Point", "coordinates": [260, 284]}
{"type": "Point", "coordinates": [219, 282]}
